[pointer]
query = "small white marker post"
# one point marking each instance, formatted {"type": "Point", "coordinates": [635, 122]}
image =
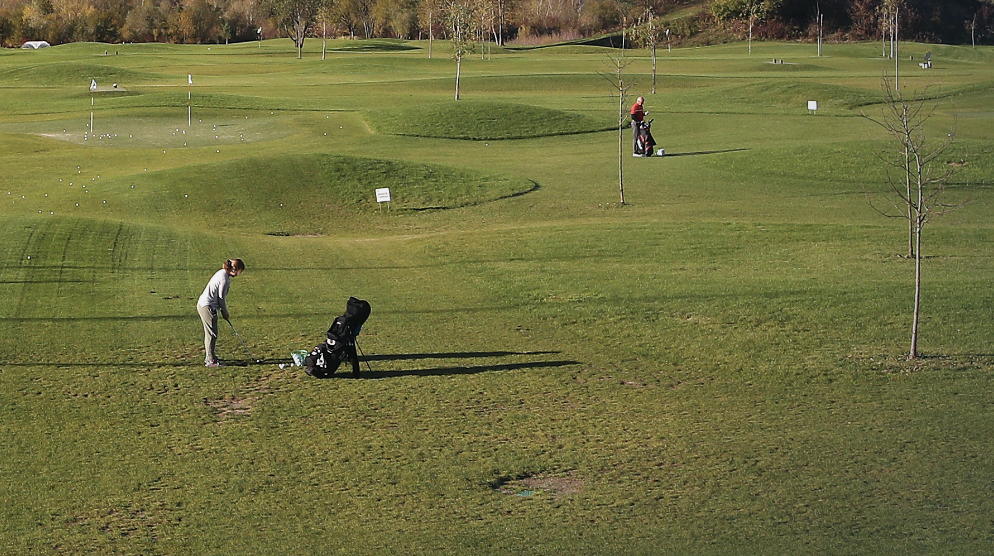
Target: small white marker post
{"type": "Point", "coordinates": [812, 106]}
{"type": "Point", "coordinates": [93, 89]}
{"type": "Point", "coordinates": [189, 100]}
{"type": "Point", "coordinates": [383, 196]}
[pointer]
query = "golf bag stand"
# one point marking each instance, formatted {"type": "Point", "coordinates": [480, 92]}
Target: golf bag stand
{"type": "Point", "coordinates": [340, 346]}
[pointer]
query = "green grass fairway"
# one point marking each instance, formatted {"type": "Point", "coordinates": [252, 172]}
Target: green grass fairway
{"type": "Point", "coordinates": [715, 367]}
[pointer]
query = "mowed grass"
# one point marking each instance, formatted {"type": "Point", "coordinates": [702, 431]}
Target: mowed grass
{"type": "Point", "coordinates": [715, 368]}
{"type": "Point", "coordinates": [483, 120]}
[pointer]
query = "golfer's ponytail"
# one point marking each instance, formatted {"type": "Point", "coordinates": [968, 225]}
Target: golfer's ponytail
{"type": "Point", "coordinates": [234, 265]}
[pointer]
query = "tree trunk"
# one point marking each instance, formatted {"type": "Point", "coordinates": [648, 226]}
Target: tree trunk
{"type": "Point", "coordinates": [911, 208]}
{"type": "Point", "coordinates": [913, 354]}
{"type": "Point", "coordinates": [621, 140]}
{"type": "Point", "coordinates": [458, 69]}
{"type": "Point", "coordinates": [897, 53]}
{"type": "Point", "coordinates": [750, 35]}
{"type": "Point", "coordinates": [654, 67]}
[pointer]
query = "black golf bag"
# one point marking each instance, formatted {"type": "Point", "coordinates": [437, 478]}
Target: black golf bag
{"type": "Point", "coordinates": [644, 142]}
{"type": "Point", "coordinates": [340, 346]}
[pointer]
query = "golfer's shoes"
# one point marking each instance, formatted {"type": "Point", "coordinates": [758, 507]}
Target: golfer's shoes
{"type": "Point", "coordinates": [214, 363]}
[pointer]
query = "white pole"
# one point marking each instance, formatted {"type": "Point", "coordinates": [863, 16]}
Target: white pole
{"type": "Point", "coordinates": [91, 113]}
{"type": "Point", "coordinates": [897, 48]}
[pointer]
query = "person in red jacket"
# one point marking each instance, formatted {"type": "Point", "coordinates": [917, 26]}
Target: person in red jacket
{"type": "Point", "coordinates": [638, 116]}
{"type": "Point", "coordinates": [638, 111]}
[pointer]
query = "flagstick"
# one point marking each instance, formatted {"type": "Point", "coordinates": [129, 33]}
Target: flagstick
{"type": "Point", "coordinates": [93, 89]}
{"type": "Point", "coordinates": [189, 106]}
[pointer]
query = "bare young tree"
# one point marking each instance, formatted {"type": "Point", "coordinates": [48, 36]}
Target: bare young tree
{"type": "Point", "coordinates": [648, 34]}
{"type": "Point", "coordinates": [461, 21]}
{"type": "Point", "coordinates": [921, 178]}
{"type": "Point", "coordinates": [616, 77]}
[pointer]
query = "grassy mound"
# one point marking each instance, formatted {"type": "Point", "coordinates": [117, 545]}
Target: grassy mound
{"type": "Point", "coordinates": [481, 121]}
{"type": "Point", "coordinates": [71, 73]}
{"type": "Point", "coordinates": [225, 101]}
{"type": "Point", "coordinates": [300, 194]}
{"type": "Point", "coordinates": [795, 94]}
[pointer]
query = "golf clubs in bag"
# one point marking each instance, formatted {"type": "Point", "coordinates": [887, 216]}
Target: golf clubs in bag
{"type": "Point", "coordinates": [644, 142]}
{"type": "Point", "coordinates": [340, 346]}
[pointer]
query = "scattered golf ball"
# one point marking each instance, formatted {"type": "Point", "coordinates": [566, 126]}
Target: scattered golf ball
{"type": "Point", "coordinates": [282, 365]}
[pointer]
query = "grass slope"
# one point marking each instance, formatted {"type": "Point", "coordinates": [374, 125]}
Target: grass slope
{"type": "Point", "coordinates": [479, 121]}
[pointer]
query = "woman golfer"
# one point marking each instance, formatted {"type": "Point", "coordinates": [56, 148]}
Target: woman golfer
{"type": "Point", "coordinates": [212, 301]}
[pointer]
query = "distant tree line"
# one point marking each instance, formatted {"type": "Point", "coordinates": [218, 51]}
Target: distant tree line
{"type": "Point", "coordinates": [222, 21]}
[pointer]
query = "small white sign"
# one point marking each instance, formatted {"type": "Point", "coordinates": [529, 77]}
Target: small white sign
{"type": "Point", "coordinates": [93, 85]}
{"type": "Point", "coordinates": [383, 195]}
{"type": "Point", "coordinates": [812, 105]}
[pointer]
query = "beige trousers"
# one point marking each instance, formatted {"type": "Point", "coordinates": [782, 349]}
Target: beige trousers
{"type": "Point", "coordinates": [209, 318]}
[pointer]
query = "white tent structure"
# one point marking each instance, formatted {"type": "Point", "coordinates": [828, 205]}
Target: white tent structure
{"type": "Point", "coordinates": [35, 45]}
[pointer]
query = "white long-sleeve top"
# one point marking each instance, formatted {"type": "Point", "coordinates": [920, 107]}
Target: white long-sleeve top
{"type": "Point", "coordinates": [216, 291]}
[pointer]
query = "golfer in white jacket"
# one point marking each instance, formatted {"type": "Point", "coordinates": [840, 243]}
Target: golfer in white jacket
{"type": "Point", "coordinates": [212, 301]}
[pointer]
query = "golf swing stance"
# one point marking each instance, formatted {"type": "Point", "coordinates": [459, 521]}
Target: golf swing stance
{"type": "Point", "coordinates": [212, 301]}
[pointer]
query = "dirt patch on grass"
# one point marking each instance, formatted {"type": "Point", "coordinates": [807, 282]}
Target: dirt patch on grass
{"type": "Point", "coordinates": [242, 403]}
{"type": "Point", "coordinates": [101, 530]}
{"type": "Point", "coordinates": [235, 406]}
{"type": "Point", "coordinates": [555, 486]}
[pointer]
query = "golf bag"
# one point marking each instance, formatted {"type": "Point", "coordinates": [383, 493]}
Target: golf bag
{"type": "Point", "coordinates": [340, 346]}
{"type": "Point", "coordinates": [644, 142]}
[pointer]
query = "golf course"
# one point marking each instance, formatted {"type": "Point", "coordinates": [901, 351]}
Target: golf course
{"type": "Point", "coordinates": [716, 363]}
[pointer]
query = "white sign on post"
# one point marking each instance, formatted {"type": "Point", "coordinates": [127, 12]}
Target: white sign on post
{"type": "Point", "coordinates": [383, 195]}
{"type": "Point", "coordinates": [813, 105]}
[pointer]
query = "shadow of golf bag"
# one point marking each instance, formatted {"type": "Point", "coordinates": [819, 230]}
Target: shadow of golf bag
{"type": "Point", "coordinates": [340, 346]}
{"type": "Point", "coordinates": [644, 142]}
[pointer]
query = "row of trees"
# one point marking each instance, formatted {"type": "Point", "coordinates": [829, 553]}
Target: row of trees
{"type": "Point", "coordinates": [220, 21]}
{"type": "Point", "coordinates": [949, 21]}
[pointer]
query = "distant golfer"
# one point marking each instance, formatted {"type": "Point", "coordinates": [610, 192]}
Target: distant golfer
{"type": "Point", "coordinates": [638, 116]}
{"type": "Point", "coordinates": [212, 301]}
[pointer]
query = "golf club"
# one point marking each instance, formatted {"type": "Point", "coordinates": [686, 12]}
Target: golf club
{"type": "Point", "coordinates": [243, 343]}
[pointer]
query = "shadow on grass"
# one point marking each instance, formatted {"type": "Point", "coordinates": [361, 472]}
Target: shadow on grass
{"type": "Point", "coordinates": [343, 373]}
{"type": "Point", "coordinates": [696, 153]}
{"type": "Point", "coordinates": [535, 187]}
{"type": "Point", "coordinates": [456, 355]}
{"type": "Point", "coordinates": [370, 372]}
{"type": "Point", "coordinates": [449, 371]}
